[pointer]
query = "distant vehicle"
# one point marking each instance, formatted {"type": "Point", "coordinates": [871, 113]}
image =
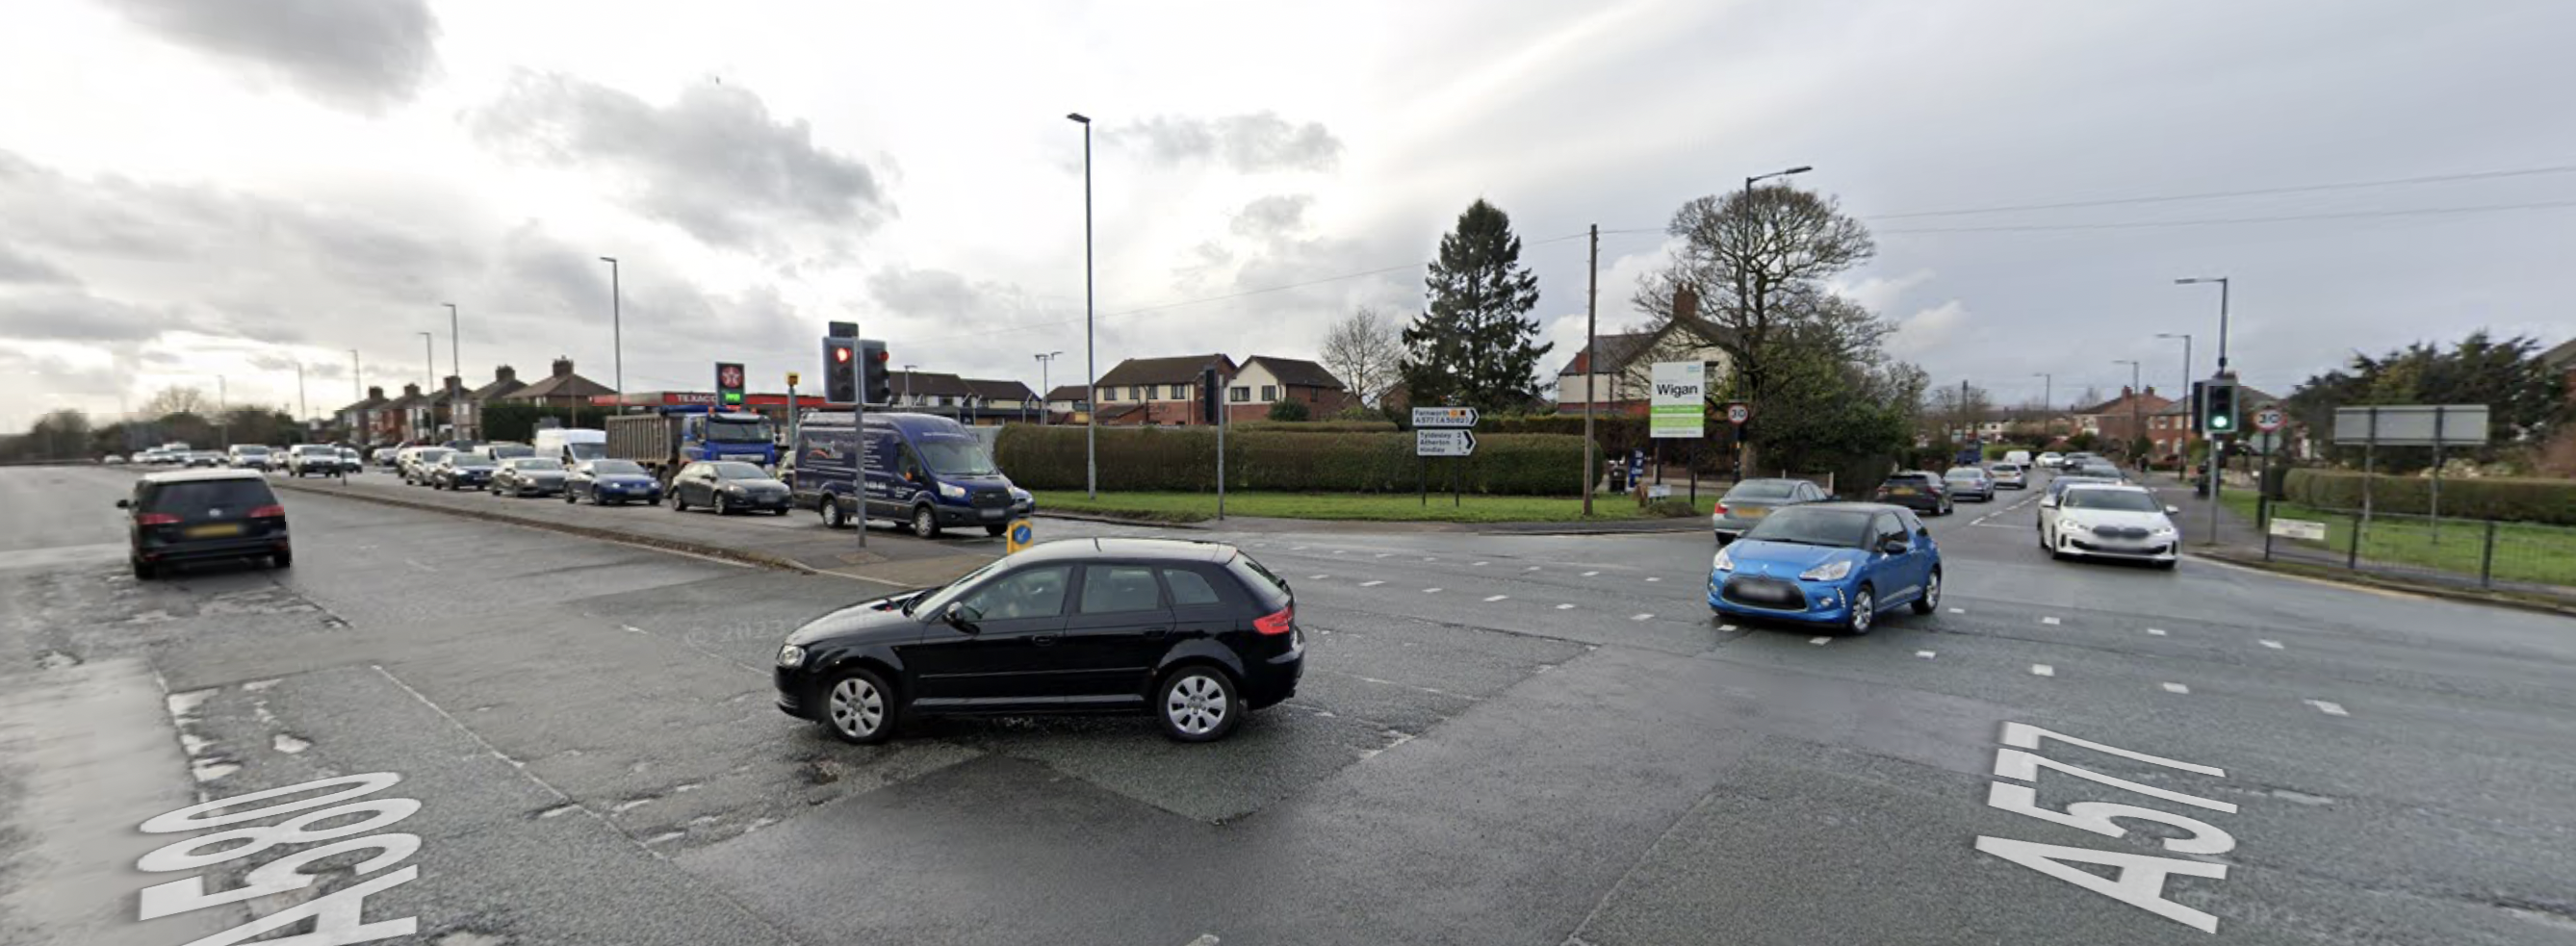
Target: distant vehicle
{"type": "Point", "coordinates": [528, 476]}
{"type": "Point", "coordinates": [2107, 520]}
{"type": "Point", "coordinates": [502, 450]}
{"type": "Point", "coordinates": [611, 481]}
{"type": "Point", "coordinates": [189, 516]}
{"type": "Point", "coordinates": [2097, 466]}
{"type": "Point", "coordinates": [457, 471]}
{"type": "Point", "coordinates": [921, 469]}
{"type": "Point", "coordinates": [1969, 482]}
{"type": "Point", "coordinates": [728, 486]}
{"type": "Point", "coordinates": [312, 459]}
{"type": "Point", "coordinates": [2051, 460]}
{"type": "Point", "coordinates": [351, 462]}
{"type": "Point", "coordinates": [387, 457]}
{"type": "Point", "coordinates": [204, 458]}
{"type": "Point", "coordinates": [2019, 458]}
{"type": "Point", "coordinates": [1836, 564]}
{"type": "Point", "coordinates": [2009, 476]}
{"type": "Point", "coordinates": [248, 456]}
{"type": "Point", "coordinates": [1919, 490]}
{"type": "Point", "coordinates": [572, 445]}
{"type": "Point", "coordinates": [665, 442]}
{"type": "Point", "coordinates": [112, 460]}
{"type": "Point", "coordinates": [1747, 502]}
{"type": "Point", "coordinates": [416, 463]}
{"type": "Point", "coordinates": [1195, 633]}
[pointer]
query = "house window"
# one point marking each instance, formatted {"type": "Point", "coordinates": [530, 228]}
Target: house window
{"type": "Point", "coordinates": [1269, 392]}
{"type": "Point", "coordinates": [1180, 392]}
{"type": "Point", "coordinates": [1238, 394]}
{"type": "Point", "coordinates": [1153, 392]}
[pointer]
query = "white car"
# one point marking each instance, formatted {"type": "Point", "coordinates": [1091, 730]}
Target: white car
{"type": "Point", "coordinates": [2009, 476]}
{"type": "Point", "coordinates": [2051, 460]}
{"type": "Point", "coordinates": [2109, 520]}
{"type": "Point", "coordinates": [312, 459]}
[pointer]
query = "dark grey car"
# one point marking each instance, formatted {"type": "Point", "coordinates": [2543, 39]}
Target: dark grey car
{"type": "Point", "coordinates": [1749, 501]}
{"type": "Point", "coordinates": [528, 476]}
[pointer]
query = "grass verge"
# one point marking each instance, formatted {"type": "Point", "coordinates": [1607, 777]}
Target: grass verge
{"type": "Point", "coordinates": [2524, 552]}
{"type": "Point", "coordinates": [1373, 507]}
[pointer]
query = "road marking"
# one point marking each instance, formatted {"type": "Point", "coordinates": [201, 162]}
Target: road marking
{"type": "Point", "coordinates": [1430, 591]}
{"type": "Point", "coordinates": [2176, 688]}
{"type": "Point", "coordinates": [1482, 564]}
{"type": "Point", "coordinates": [2328, 708]}
{"type": "Point", "coordinates": [1496, 597]}
{"type": "Point", "coordinates": [1431, 558]}
{"type": "Point", "coordinates": [2049, 621]}
{"type": "Point", "coordinates": [1925, 654]}
{"type": "Point", "coordinates": [2042, 670]}
{"type": "Point", "coordinates": [1371, 584]}
{"type": "Point", "coordinates": [1820, 641]}
{"type": "Point", "coordinates": [1958, 610]}
{"type": "Point", "coordinates": [1205, 939]}
{"type": "Point", "coordinates": [2155, 632]}
{"type": "Point", "coordinates": [1384, 554]}
{"type": "Point", "coordinates": [416, 563]}
{"type": "Point", "coordinates": [1565, 607]}
{"type": "Point", "coordinates": [1317, 577]}
{"type": "Point", "coordinates": [1530, 569]}
{"type": "Point", "coordinates": [1640, 617]}
{"type": "Point", "coordinates": [2275, 645]}
{"type": "Point", "coordinates": [1726, 627]}
{"type": "Point", "coordinates": [1653, 578]}
{"type": "Point", "coordinates": [1590, 574]}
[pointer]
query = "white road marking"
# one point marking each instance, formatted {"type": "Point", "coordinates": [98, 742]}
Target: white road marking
{"type": "Point", "coordinates": [1640, 617]}
{"type": "Point", "coordinates": [1726, 627]}
{"type": "Point", "coordinates": [1590, 574]}
{"type": "Point", "coordinates": [1371, 584]}
{"type": "Point", "coordinates": [2042, 670]}
{"type": "Point", "coordinates": [1317, 577]}
{"type": "Point", "coordinates": [1430, 558]}
{"type": "Point", "coordinates": [2328, 708]}
{"type": "Point", "coordinates": [1205, 939]}
{"type": "Point", "coordinates": [1297, 548]}
{"type": "Point", "coordinates": [416, 563]}
{"type": "Point", "coordinates": [1565, 607]}
{"type": "Point", "coordinates": [1496, 597]}
{"type": "Point", "coordinates": [1430, 591]}
{"type": "Point", "coordinates": [2275, 645]}
{"type": "Point", "coordinates": [1482, 564]}
{"type": "Point", "coordinates": [1958, 610]}
{"type": "Point", "coordinates": [2155, 632]}
{"type": "Point", "coordinates": [2046, 620]}
{"type": "Point", "coordinates": [1820, 641]}
{"type": "Point", "coordinates": [1653, 578]}
{"type": "Point", "coordinates": [1530, 569]}
{"type": "Point", "coordinates": [1384, 554]}
{"type": "Point", "coordinates": [1925, 654]}
{"type": "Point", "coordinates": [2176, 688]}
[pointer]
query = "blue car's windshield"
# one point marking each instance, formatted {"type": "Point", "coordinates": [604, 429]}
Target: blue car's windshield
{"type": "Point", "coordinates": [1806, 525]}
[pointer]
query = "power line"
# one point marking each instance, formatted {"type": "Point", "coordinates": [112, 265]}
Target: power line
{"type": "Point", "coordinates": [2214, 195]}
{"type": "Point", "coordinates": [2155, 224]}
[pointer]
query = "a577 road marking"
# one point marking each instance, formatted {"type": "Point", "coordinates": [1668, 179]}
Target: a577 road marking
{"type": "Point", "coordinates": [2140, 879]}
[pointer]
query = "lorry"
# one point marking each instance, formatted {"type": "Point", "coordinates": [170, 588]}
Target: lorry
{"type": "Point", "coordinates": [673, 437]}
{"type": "Point", "coordinates": [572, 444]}
{"type": "Point", "coordinates": [926, 471]}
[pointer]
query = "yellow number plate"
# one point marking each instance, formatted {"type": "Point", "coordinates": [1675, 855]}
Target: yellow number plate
{"type": "Point", "coordinates": [208, 532]}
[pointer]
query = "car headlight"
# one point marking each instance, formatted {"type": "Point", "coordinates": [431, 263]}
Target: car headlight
{"type": "Point", "coordinates": [1835, 570]}
{"type": "Point", "coordinates": [791, 656]}
{"type": "Point", "coordinates": [2075, 524]}
{"type": "Point", "coordinates": [952, 490]}
{"type": "Point", "coordinates": [735, 490]}
{"type": "Point", "coordinates": [1021, 495]}
{"type": "Point", "coordinates": [2163, 532]}
{"type": "Point", "coordinates": [1724, 562]}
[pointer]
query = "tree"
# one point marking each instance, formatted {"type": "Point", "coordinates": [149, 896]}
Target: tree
{"type": "Point", "coordinates": [62, 434]}
{"type": "Point", "coordinates": [1363, 351]}
{"type": "Point", "coordinates": [178, 399]}
{"type": "Point", "coordinates": [1475, 345]}
{"type": "Point", "coordinates": [1959, 409]}
{"type": "Point", "coordinates": [2526, 399]}
{"type": "Point", "coordinates": [1285, 409]}
{"type": "Point", "coordinates": [1751, 263]}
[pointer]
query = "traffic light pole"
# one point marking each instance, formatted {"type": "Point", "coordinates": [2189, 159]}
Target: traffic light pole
{"type": "Point", "coordinates": [859, 429]}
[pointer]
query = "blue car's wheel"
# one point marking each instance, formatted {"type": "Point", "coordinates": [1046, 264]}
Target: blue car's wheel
{"type": "Point", "coordinates": [1864, 611]}
{"type": "Point", "coordinates": [1930, 599]}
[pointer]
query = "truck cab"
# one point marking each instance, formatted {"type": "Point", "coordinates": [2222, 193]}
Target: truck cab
{"type": "Point", "coordinates": [710, 435]}
{"type": "Point", "coordinates": [928, 472]}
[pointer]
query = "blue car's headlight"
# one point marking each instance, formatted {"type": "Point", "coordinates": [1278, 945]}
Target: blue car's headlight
{"type": "Point", "coordinates": [1723, 562]}
{"type": "Point", "coordinates": [1830, 571]}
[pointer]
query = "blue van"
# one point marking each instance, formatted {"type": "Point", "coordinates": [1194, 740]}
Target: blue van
{"type": "Point", "coordinates": [923, 470]}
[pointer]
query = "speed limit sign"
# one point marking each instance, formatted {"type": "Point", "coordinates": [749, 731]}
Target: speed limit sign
{"type": "Point", "coordinates": [2268, 419]}
{"type": "Point", "coordinates": [1738, 413]}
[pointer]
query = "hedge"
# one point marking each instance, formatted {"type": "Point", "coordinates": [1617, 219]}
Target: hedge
{"type": "Point", "coordinates": [1184, 460]}
{"type": "Point", "coordinates": [1313, 426]}
{"type": "Point", "coordinates": [2511, 500]}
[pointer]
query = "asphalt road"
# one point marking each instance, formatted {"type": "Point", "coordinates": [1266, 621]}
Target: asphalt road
{"type": "Point", "coordinates": [1539, 740]}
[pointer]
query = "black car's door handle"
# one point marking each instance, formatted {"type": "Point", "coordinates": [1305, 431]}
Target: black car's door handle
{"type": "Point", "coordinates": [1046, 640]}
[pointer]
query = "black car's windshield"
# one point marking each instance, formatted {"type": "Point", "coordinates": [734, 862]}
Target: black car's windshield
{"type": "Point", "coordinates": [737, 471]}
{"type": "Point", "coordinates": [237, 496]}
{"type": "Point", "coordinates": [535, 463]}
{"type": "Point", "coordinates": [738, 431]}
{"type": "Point", "coordinates": [930, 601]}
{"type": "Point", "coordinates": [615, 468]}
{"type": "Point", "coordinates": [1809, 525]}
{"type": "Point", "coordinates": [510, 452]}
{"type": "Point", "coordinates": [1763, 489]}
{"type": "Point", "coordinates": [956, 457]}
{"type": "Point", "coordinates": [2116, 500]}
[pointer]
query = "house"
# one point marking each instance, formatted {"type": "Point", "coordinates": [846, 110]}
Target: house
{"type": "Point", "coordinates": [358, 419]}
{"type": "Point", "coordinates": [399, 420]}
{"type": "Point", "coordinates": [994, 395]}
{"type": "Point", "coordinates": [1157, 392]}
{"type": "Point", "coordinates": [2562, 359]}
{"type": "Point", "coordinates": [1623, 381]}
{"type": "Point", "coordinates": [914, 390]}
{"type": "Point", "coordinates": [440, 408]}
{"type": "Point", "coordinates": [1265, 380]}
{"type": "Point", "coordinates": [505, 381]}
{"type": "Point", "coordinates": [562, 389]}
{"type": "Point", "coordinates": [2120, 419]}
{"type": "Point", "coordinates": [1066, 405]}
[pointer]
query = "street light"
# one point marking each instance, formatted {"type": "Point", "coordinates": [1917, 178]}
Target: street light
{"type": "Point", "coordinates": [1090, 361]}
{"type": "Point", "coordinates": [617, 330]}
{"type": "Point", "coordinates": [2193, 407]}
{"type": "Point", "coordinates": [2222, 313]}
{"type": "Point", "coordinates": [907, 381]}
{"type": "Point", "coordinates": [1750, 181]}
{"type": "Point", "coordinates": [455, 376]}
{"type": "Point", "coordinates": [1045, 360]}
{"type": "Point", "coordinates": [2047, 402]}
{"type": "Point", "coordinates": [428, 373]}
{"type": "Point", "coordinates": [2137, 427]}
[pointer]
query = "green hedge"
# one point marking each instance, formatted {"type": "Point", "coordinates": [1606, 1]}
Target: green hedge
{"type": "Point", "coordinates": [1313, 426]}
{"type": "Point", "coordinates": [2511, 500]}
{"type": "Point", "coordinates": [1184, 460]}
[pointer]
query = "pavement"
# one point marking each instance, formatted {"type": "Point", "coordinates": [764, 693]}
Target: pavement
{"type": "Point", "coordinates": [1500, 740]}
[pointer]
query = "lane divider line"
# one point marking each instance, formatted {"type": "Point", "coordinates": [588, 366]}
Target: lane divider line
{"type": "Point", "coordinates": [1641, 617]}
{"type": "Point", "coordinates": [1372, 584]}
{"type": "Point", "coordinates": [1925, 654]}
{"type": "Point", "coordinates": [2275, 645]}
{"type": "Point", "coordinates": [2176, 688]}
{"type": "Point", "coordinates": [1496, 597]}
{"type": "Point", "coordinates": [2042, 670]}
{"type": "Point", "coordinates": [2328, 707]}
{"type": "Point", "coordinates": [1820, 641]}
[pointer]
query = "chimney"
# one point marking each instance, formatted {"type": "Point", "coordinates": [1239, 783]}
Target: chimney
{"type": "Point", "coordinates": [1685, 304]}
{"type": "Point", "coordinates": [2125, 392]}
{"type": "Point", "coordinates": [505, 373]}
{"type": "Point", "coordinates": [375, 392]}
{"type": "Point", "coordinates": [411, 390]}
{"type": "Point", "coordinates": [563, 367]}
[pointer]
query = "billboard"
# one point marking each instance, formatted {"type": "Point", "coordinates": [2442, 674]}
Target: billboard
{"type": "Point", "coordinates": [1679, 407]}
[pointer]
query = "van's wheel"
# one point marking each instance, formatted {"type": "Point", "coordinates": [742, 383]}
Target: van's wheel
{"type": "Point", "coordinates": [1197, 704]}
{"type": "Point", "coordinates": [859, 708]}
{"type": "Point", "coordinates": [924, 524]}
{"type": "Point", "coordinates": [833, 518]}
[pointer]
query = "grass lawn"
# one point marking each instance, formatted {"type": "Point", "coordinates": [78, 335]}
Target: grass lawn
{"type": "Point", "coordinates": [1380, 507]}
{"type": "Point", "coordinates": [2538, 554]}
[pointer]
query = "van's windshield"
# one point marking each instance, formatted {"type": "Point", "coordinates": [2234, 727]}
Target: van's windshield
{"type": "Point", "coordinates": [956, 457]}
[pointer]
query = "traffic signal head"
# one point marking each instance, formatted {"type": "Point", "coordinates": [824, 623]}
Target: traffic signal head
{"type": "Point", "coordinates": [1210, 405]}
{"type": "Point", "coordinates": [2219, 410]}
{"type": "Point", "coordinates": [840, 379]}
{"type": "Point", "coordinates": [875, 384]}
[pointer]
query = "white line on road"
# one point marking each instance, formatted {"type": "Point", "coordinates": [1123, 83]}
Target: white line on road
{"type": "Point", "coordinates": [1205, 939]}
{"type": "Point", "coordinates": [1641, 617]}
{"type": "Point", "coordinates": [1653, 578]}
{"type": "Point", "coordinates": [1958, 610]}
{"type": "Point", "coordinates": [1530, 569]}
{"type": "Point", "coordinates": [1726, 627]}
{"type": "Point", "coordinates": [1317, 577]}
{"type": "Point", "coordinates": [1372, 584]}
{"type": "Point", "coordinates": [2048, 621]}
{"type": "Point", "coordinates": [1430, 591]}
{"type": "Point", "coordinates": [1384, 554]}
{"type": "Point", "coordinates": [1496, 597]}
{"type": "Point", "coordinates": [2275, 645]}
{"type": "Point", "coordinates": [2155, 632]}
{"type": "Point", "coordinates": [2042, 670]}
{"type": "Point", "coordinates": [1925, 654]}
{"type": "Point", "coordinates": [2176, 688]}
{"type": "Point", "coordinates": [1590, 574]}
{"type": "Point", "coordinates": [416, 563]}
{"type": "Point", "coordinates": [1565, 607]}
{"type": "Point", "coordinates": [1431, 558]}
{"type": "Point", "coordinates": [1297, 548]}
{"type": "Point", "coordinates": [2328, 708]}
{"type": "Point", "coordinates": [1482, 564]}
{"type": "Point", "coordinates": [1820, 641]}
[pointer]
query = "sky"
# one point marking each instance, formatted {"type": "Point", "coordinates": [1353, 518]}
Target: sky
{"type": "Point", "coordinates": [195, 191]}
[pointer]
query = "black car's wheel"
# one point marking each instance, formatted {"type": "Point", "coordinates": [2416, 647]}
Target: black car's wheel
{"type": "Point", "coordinates": [723, 508]}
{"type": "Point", "coordinates": [780, 511]}
{"type": "Point", "coordinates": [1196, 703]}
{"type": "Point", "coordinates": [833, 518]}
{"type": "Point", "coordinates": [1930, 600]}
{"type": "Point", "coordinates": [569, 498]}
{"type": "Point", "coordinates": [282, 559]}
{"type": "Point", "coordinates": [2168, 565]}
{"type": "Point", "coordinates": [858, 707]}
{"type": "Point", "coordinates": [143, 570]}
{"type": "Point", "coordinates": [678, 504]}
{"type": "Point", "coordinates": [1864, 611]}
{"type": "Point", "coordinates": [924, 524]}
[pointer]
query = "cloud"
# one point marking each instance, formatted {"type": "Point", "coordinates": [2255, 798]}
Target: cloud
{"type": "Point", "coordinates": [23, 268]}
{"type": "Point", "coordinates": [1928, 329]}
{"type": "Point", "coordinates": [357, 55]}
{"type": "Point", "coordinates": [1261, 141]}
{"type": "Point", "coordinates": [1272, 215]}
{"type": "Point", "coordinates": [80, 317]}
{"type": "Point", "coordinates": [714, 163]}
{"type": "Point", "coordinates": [1877, 293]}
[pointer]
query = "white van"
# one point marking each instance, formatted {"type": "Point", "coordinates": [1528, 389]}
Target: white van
{"type": "Point", "coordinates": [2019, 458]}
{"type": "Point", "coordinates": [572, 444]}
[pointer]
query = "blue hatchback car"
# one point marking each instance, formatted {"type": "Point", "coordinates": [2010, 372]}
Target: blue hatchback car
{"type": "Point", "coordinates": [1836, 564]}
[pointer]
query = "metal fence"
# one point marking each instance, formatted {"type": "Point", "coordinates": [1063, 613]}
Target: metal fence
{"type": "Point", "coordinates": [2485, 553]}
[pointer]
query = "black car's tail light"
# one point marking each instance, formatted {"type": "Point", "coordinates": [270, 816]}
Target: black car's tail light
{"type": "Point", "coordinates": [156, 519]}
{"type": "Point", "coordinates": [1279, 623]}
{"type": "Point", "coordinates": [269, 512]}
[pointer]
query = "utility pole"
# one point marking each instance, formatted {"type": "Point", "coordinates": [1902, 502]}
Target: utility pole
{"type": "Point", "coordinates": [2137, 428]}
{"type": "Point", "coordinates": [223, 417]}
{"type": "Point", "coordinates": [1591, 371]}
{"type": "Point", "coordinates": [1046, 360]}
{"type": "Point", "coordinates": [1090, 352]}
{"type": "Point", "coordinates": [455, 375]}
{"type": "Point", "coordinates": [617, 332]}
{"type": "Point", "coordinates": [303, 410]}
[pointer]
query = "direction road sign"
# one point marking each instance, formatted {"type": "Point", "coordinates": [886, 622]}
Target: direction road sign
{"type": "Point", "coordinates": [2268, 419]}
{"type": "Point", "coordinates": [1444, 417]}
{"type": "Point", "coordinates": [1738, 413]}
{"type": "Point", "coordinates": [1433, 442]}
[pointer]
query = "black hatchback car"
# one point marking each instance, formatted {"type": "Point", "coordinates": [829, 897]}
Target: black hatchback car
{"type": "Point", "coordinates": [728, 486]}
{"type": "Point", "coordinates": [1195, 633]}
{"type": "Point", "coordinates": [203, 515]}
{"type": "Point", "coordinates": [1920, 490]}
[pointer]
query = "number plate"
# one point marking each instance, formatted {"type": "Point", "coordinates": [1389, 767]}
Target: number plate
{"type": "Point", "coordinates": [1753, 512]}
{"type": "Point", "coordinates": [1901, 491]}
{"type": "Point", "coordinates": [213, 531]}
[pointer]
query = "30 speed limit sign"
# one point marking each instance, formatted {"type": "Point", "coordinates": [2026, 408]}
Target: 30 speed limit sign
{"type": "Point", "coordinates": [1737, 414]}
{"type": "Point", "coordinates": [2268, 419]}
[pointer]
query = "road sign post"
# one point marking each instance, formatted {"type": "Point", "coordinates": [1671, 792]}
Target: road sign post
{"type": "Point", "coordinates": [1443, 432]}
{"type": "Point", "coordinates": [1444, 443]}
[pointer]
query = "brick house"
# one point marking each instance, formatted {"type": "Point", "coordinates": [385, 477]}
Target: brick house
{"type": "Point", "coordinates": [505, 381]}
{"type": "Point", "coordinates": [1623, 382]}
{"type": "Point", "coordinates": [1066, 405]}
{"type": "Point", "coordinates": [562, 389]}
{"type": "Point", "coordinates": [1265, 380]}
{"type": "Point", "coordinates": [358, 420]}
{"type": "Point", "coordinates": [2170, 432]}
{"type": "Point", "coordinates": [2120, 419]}
{"type": "Point", "coordinates": [398, 420]}
{"type": "Point", "coordinates": [1157, 392]}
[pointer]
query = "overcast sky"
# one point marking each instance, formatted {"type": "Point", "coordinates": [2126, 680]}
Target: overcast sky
{"type": "Point", "coordinates": [193, 189]}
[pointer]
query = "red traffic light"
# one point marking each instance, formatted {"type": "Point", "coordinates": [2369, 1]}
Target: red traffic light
{"type": "Point", "coordinates": [883, 356]}
{"type": "Point", "coordinates": [841, 355]}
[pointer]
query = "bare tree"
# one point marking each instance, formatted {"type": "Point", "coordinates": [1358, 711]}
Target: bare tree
{"type": "Point", "coordinates": [1363, 351]}
{"type": "Point", "coordinates": [178, 399]}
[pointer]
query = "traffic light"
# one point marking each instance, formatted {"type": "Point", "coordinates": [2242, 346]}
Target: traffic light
{"type": "Point", "coordinates": [1211, 405]}
{"type": "Point", "coordinates": [874, 384]}
{"type": "Point", "coordinates": [729, 382]}
{"type": "Point", "coordinates": [840, 380]}
{"type": "Point", "coordinates": [2218, 409]}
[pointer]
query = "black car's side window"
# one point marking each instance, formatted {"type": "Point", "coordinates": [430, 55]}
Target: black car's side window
{"type": "Point", "coordinates": [1027, 593]}
{"type": "Point", "coordinates": [1190, 589]}
{"type": "Point", "coordinates": [1118, 589]}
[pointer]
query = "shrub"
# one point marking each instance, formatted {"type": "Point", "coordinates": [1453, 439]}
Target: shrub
{"type": "Point", "coordinates": [1290, 410]}
{"type": "Point", "coordinates": [1366, 426]}
{"type": "Point", "coordinates": [2511, 500]}
{"type": "Point", "coordinates": [1184, 460]}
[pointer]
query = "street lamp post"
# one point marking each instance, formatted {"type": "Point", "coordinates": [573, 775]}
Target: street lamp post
{"type": "Point", "coordinates": [1045, 361]}
{"type": "Point", "coordinates": [1742, 448]}
{"type": "Point", "coordinates": [2047, 403]}
{"type": "Point", "coordinates": [1090, 360]}
{"type": "Point", "coordinates": [223, 414]}
{"type": "Point", "coordinates": [2137, 428]}
{"type": "Point", "coordinates": [907, 381]}
{"type": "Point", "coordinates": [2217, 447]}
{"type": "Point", "coordinates": [2222, 314]}
{"type": "Point", "coordinates": [428, 373]}
{"type": "Point", "coordinates": [455, 375]}
{"type": "Point", "coordinates": [358, 393]}
{"type": "Point", "coordinates": [617, 331]}
{"type": "Point", "coordinates": [2189, 407]}
{"type": "Point", "coordinates": [1750, 181]}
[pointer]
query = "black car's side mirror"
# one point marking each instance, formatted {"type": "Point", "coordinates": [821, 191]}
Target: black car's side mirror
{"type": "Point", "coordinates": [125, 504]}
{"type": "Point", "coordinates": [958, 616]}
{"type": "Point", "coordinates": [1895, 545]}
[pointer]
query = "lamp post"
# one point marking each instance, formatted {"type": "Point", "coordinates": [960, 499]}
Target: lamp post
{"type": "Point", "coordinates": [1090, 360]}
{"type": "Point", "coordinates": [455, 376]}
{"type": "Point", "coordinates": [223, 414]}
{"type": "Point", "coordinates": [2047, 403]}
{"type": "Point", "coordinates": [1046, 360]}
{"type": "Point", "coordinates": [357, 389]}
{"type": "Point", "coordinates": [2136, 427]}
{"type": "Point", "coordinates": [2217, 447]}
{"type": "Point", "coordinates": [1750, 181]}
{"type": "Point", "coordinates": [2189, 408]}
{"type": "Point", "coordinates": [2222, 313]}
{"type": "Point", "coordinates": [1742, 448]}
{"type": "Point", "coordinates": [428, 373]}
{"type": "Point", "coordinates": [617, 331]}
{"type": "Point", "coordinates": [907, 382]}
